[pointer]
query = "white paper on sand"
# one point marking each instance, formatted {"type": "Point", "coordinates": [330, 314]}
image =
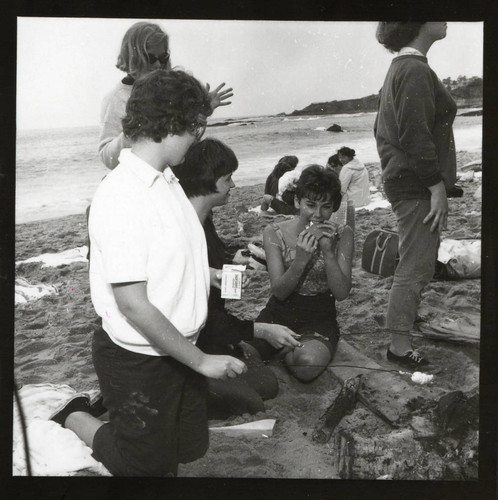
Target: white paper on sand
{"type": "Point", "coordinates": [53, 450]}
{"type": "Point", "coordinates": [25, 291]}
{"type": "Point", "coordinates": [66, 257]}
{"type": "Point", "coordinates": [376, 201]}
{"type": "Point", "coordinates": [260, 428]}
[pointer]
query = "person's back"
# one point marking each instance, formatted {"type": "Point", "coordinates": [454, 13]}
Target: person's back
{"type": "Point", "coordinates": [358, 184]}
{"type": "Point", "coordinates": [112, 139]}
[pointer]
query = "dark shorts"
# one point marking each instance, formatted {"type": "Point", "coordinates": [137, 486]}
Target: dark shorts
{"type": "Point", "coordinates": [313, 317]}
{"type": "Point", "coordinates": [157, 411]}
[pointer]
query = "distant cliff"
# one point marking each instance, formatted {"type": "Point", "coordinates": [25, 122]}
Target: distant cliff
{"type": "Point", "coordinates": [361, 105]}
{"type": "Point", "coordinates": [467, 92]}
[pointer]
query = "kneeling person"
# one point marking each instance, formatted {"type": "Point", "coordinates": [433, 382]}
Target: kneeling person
{"type": "Point", "coordinates": [149, 278]}
{"type": "Point", "coordinates": [206, 177]}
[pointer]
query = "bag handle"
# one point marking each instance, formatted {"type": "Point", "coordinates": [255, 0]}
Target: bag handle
{"type": "Point", "coordinates": [381, 245]}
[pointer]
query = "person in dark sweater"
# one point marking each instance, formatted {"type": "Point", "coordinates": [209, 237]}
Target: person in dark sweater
{"type": "Point", "coordinates": [285, 205]}
{"type": "Point", "coordinates": [206, 178]}
{"type": "Point", "coordinates": [413, 131]}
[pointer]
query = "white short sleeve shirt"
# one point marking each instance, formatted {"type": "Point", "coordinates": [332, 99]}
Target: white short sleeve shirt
{"type": "Point", "coordinates": [143, 228]}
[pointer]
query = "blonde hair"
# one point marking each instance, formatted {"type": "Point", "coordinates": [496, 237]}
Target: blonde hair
{"type": "Point", "coordinates": [141, 36]}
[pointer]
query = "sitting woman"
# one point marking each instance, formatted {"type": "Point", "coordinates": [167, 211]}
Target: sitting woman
{"type": "Point", "coordinates": [334, 164]}
{"type": "Point", "coordinates": [271, 198]}
{"type": "Point", "coordinates": [355, 184]}
{"type": "Point", "coordinates": [206, 178]}
{"type": "Point", "coordinates": [309, 261]}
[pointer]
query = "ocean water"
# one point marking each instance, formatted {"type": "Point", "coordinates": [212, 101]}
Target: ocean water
{"type": "Point", "coordinates": [58, 170]}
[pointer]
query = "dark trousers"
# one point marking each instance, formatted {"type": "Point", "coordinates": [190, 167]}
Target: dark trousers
{"type": "Point", "coordinates": [157, 411]}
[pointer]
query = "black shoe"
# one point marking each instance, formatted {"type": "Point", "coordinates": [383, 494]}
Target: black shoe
{"type": "Point", "coordinates": [97, 407]}
{"type": "Point", "coordinates": [411, 359]}
{"type": "Point", "coordinates": [79, 402]}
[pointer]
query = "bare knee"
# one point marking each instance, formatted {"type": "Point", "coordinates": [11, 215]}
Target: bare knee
{"type": "Point", "coordinates": [305, 367]}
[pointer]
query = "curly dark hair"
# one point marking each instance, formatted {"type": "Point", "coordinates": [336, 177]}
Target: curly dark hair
{"type": "Point", "coordinates": [205, 162]}
{"type": "Point", "coordinates": [318, 183]}
{"type": "Point", "coordinates": [346, 151]}
{"type": "Point", "coordinates": [334, 161]}
{"type": "Point", "coordinates": [396, 35]}
{"type": "Point", "coordinates": [285, 164]}
{"type": "Point", "coordinates": [164, 102]}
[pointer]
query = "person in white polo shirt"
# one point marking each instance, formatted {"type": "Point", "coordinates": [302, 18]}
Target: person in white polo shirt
{"type": "Point", "coordinates": [150, 279]}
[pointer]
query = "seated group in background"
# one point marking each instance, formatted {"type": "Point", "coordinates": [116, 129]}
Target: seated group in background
{"type": "Point", "coordinates": [280, 187]}
{"type": "Point", "coordinates": [355, 185]}
{"type": "Point", "coordinates": [206, 178]}
{"type": "Point", "coordinates": [309, 261]}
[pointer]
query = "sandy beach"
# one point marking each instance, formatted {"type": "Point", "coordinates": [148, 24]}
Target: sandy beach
{"type": "Point", "coordinates": [53, 338]}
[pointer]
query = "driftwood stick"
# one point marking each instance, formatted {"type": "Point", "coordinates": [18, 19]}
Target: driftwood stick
{"type": "Point", "coordinates": [368, 404]}
{"type": "Point", "coordinates": [343, 404]}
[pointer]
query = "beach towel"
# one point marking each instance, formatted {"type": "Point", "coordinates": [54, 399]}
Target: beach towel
{"type": "Point", "coordinates": [25, 291]}
{"type": "Point", "coordinates": [64, 258]}
{"type": "Point", "coordinates": [53, 450]}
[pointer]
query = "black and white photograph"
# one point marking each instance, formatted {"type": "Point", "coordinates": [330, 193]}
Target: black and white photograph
{"type": "Point", "coordinates": [233, 261]}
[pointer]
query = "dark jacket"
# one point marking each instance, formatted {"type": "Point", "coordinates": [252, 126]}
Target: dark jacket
{"type": "Point", "coordinates": [221, 329]}
{"type": "Point", "coordinates": [413, 130]}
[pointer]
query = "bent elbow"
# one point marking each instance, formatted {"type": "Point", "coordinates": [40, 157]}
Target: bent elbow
{"type": "Point", "coordinates": [279, 294]}
{"type": "Point", "coordinates": [343, 294]}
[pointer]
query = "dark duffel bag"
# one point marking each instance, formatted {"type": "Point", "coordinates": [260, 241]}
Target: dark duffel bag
{"type": "Point", "coordinates": [380, 252]}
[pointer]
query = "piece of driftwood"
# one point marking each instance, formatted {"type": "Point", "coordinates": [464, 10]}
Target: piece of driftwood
{"type": "Point", "coordinates": [368, 404]}
{"type": "Point", "coordinates": [387, 391]}
{"type": "Point", "coordinates": [439, 333]}
{"type": "Point", "coordinates": [397, 454]}
{"type": "Point", "coordinates": [342, 405]}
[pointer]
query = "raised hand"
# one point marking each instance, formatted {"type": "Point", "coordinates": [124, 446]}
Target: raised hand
{"type": "Point", "coordinates": [221, 367]}
{"type": "Point", "coordinates": [305, 246]}
{"type": "Point", "coordinates": [218, 96]}
{"type": "Point", "coordinates": [328, 234]}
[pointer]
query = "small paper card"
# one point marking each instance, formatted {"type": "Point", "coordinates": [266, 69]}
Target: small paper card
{"type": "Point", "coordinates": [231, 281]}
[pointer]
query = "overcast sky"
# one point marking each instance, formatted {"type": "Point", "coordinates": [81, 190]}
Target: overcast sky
{"type": "Point", "coordinates": [65, 66]}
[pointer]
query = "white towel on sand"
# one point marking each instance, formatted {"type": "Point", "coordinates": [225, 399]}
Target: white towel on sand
{"type": "Point", "coordinates": [66, 257]}
{"type": "Point", "coordinates": [25, 291]}
{"type": "Point", "coordinates": [53, 450]}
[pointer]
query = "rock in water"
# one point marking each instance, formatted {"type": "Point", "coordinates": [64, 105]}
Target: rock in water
{"type": "Point", "coordinates": [335, 128]}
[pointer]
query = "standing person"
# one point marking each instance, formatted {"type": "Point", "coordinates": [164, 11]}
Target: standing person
{"type": "Point", "coordinates": [206, 178]}
{"type": "Point", "coordinates": [149, 280]}
{"type": "Point", "coordinates": [309, 261]}
{"type": "Point", "coordinates": [414, 135]}
{"type": "Point", "coordinates": [353, 175]}
{"type": "Point", "coordinates": [145, 47]}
